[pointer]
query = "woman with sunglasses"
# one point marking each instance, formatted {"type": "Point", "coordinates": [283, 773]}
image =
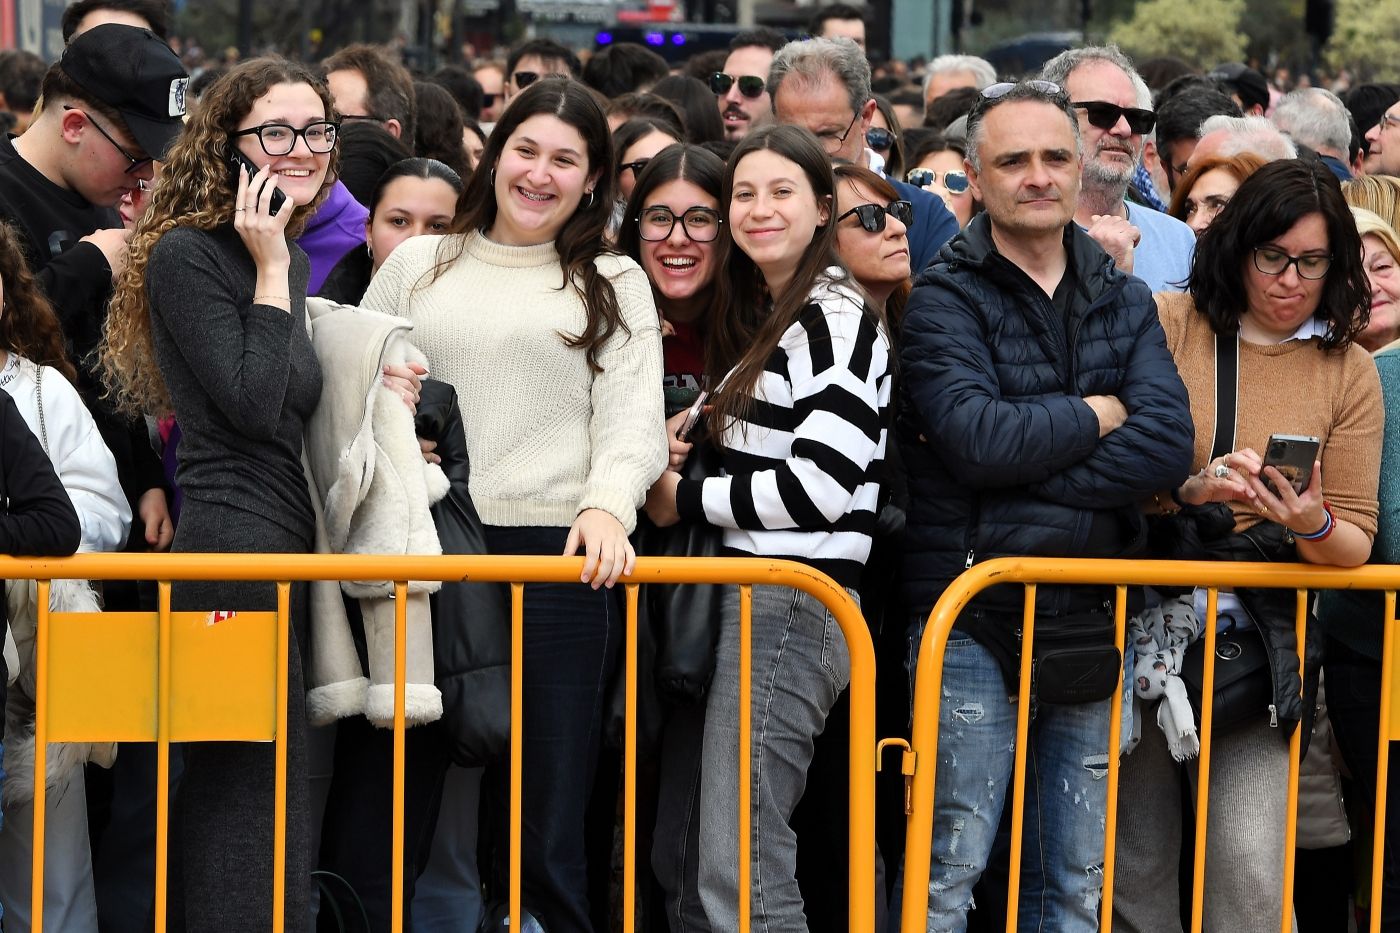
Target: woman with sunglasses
{"type": "Point", "coordinates": [872, 239]}
{"type": "Point", "coordinates": [938, 168]}
{"type": "Point", "coordinates": [1207, 187]}
{"type": "Point", "coordinates": [885, 138]}
{"type": "Point", "coordinates": [208, 322]}
{"type": "Point", "coordinates": [1278, 293]}
{"type": "Point", "coordinates": [802, 370]}
{"type": "Point", "coordinates": [635, 142]}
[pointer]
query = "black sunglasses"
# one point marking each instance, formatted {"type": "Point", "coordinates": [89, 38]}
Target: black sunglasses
{"type": "Point", "coordinates": [524, 79]}
{"type": "Point", "coordinates": [751, 86]}
{"type": "Point", "coordinates": [955, 180]}
{"type": "Point", "coordinates": [872, 216]}
{"type": "Point", "coordinates": [879, 138]}
{"type": "Point", "coordinates": [636, 166]}
{"type": "Point", "coordinates": [1105, 116]}
{"type": "Point", "coordinates": [488, 100]}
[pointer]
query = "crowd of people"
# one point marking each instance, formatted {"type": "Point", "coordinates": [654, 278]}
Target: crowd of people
{"type": "Point", "coordinates": [771, 302]}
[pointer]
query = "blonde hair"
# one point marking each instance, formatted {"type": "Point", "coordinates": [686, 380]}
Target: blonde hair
{"type": "Point", "coordinates": [193, 191]}
{"type": "Point", "coordinates": [1379, 194]}
{"type": "Point", "coordinates": [1369, 223]}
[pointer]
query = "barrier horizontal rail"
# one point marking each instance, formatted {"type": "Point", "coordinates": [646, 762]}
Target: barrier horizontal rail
{"type": "Point", "coordinates": [517, 571]}
{"type": "Point", "coordinates": [1119, 574]}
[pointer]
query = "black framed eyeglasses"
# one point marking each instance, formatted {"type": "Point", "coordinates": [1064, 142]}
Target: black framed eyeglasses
{"type": "Point", "coordinates": [872, 216]}
{"type": "Point", "coordinates": [955, 180]}
{"type": "Point", "coordinates": [278, 139]}
{"type": "Point", "coordinates": [636, 165]}
{"type": "Point", "coordinates": [751, 86]}
{"type": "Point", "coordinates": [701, 224]}
{"type": "Point", "coordinates": [524, 79]}
{"type": "Point", "coordinates": [1105, 116]}
{"type": "Point", "coordinates": [137, 164]}
{"type": "Point", "coordinates": [1272, 261]}
{"type": "Point", "coordinates": [879, 138]}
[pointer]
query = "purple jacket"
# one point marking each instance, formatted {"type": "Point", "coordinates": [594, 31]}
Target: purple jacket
{"type": "Point", "coordinates": [337, 227]}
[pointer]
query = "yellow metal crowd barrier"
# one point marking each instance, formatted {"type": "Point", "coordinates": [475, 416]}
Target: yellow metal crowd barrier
{"type": "Point", "coordinates": [1029, 572]}
{"type": "Point", "coordinates": [168, 677]}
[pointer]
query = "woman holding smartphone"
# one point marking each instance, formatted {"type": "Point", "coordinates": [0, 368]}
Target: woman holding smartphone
{"type": "Point", "coordinates": [553, 344]}
{"type": "Point", "coordinates": [1277, 285]}
{"type": "Point", "coordinates": [802, 372]}
{"type": "Point", "coordinates": [208, 322]}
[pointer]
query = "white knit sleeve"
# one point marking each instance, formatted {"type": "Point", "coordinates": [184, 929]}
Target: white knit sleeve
{"type": "Point", "coordinates": [627, 427]}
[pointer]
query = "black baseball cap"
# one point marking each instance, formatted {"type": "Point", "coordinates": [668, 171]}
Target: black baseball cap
{"type": "Point", "coordinates": [134, 72]}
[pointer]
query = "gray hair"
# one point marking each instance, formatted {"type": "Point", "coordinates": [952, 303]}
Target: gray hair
{"type": "Point", "coordinates": [1058, 69]}
{"type": "Point", "coordinates": [1250, 134]}
{"type": "Point", "coordinates": [1023, 91]}
{"type": "Point", "coordinates": [981, 70]}
{"type": "Point", "coordinates": [1315, 117]}
{"type": "Point", "coordinates": [813, 61]}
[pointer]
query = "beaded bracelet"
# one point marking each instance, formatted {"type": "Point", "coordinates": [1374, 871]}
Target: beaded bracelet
{"type": "Point", "coordinates": [1329, 525]}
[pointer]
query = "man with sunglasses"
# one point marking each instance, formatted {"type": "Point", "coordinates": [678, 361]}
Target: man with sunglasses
{"type": "Point", "coordinates": [823, 85]}
{"type": "Point", "coordinates": [1114, 108]}
{"type": "Point", "coordinates": [532, 60]}
{"type": "Point", "coordinates": [1040, 407]}
{"type": "Point", "coordinates": [741, 89]}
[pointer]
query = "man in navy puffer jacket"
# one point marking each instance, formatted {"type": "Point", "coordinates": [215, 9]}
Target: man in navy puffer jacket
{"type": "Point", "coordinates": [1040, 408]}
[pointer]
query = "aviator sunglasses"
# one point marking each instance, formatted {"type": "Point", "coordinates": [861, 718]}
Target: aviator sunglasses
{"type": "Point", "coordinates": [1105, 116]}
{"type": "Point", "coordinates": [955, 180]}
{"type": "Point", "coordinates": [751, 86]}
{"type": "Point", "coordinates": [872, 216]}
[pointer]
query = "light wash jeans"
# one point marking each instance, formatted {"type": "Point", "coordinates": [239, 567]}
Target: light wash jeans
{"type": "Point", "coordinates": [1066, 797]}
{"type": "Point", "coordinates": [800, 667]}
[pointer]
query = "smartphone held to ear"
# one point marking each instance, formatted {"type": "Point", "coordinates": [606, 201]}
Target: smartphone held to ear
{"type": "Point", "coordinates": [238, 162]}
{"type": "Point", "coordinates": [1292, 455]}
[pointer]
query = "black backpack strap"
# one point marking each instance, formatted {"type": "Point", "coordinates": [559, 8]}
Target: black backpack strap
{"type": "Point", "coordinates": [1227, 385]}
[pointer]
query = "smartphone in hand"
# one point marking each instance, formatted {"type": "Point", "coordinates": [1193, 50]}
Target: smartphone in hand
{"type": "Point", "coordinates": [692, 417]}
{"type": "Point", "coordinates": [1292, 455]}
{"type": "Point", "coordinates": [238, 162]}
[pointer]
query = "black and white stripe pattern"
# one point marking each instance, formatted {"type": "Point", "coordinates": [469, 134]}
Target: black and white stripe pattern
{"type": "Point", "coordinates": [802, 474]}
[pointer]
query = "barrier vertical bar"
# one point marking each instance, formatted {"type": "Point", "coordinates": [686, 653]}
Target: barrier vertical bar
{"type": "Point", "coordinates": [1115, 738]}
{"type": "Point", "coordinates": [1198, 872]}
{"type": "Point", "coordinates": [279, 819]}
{"type": "Point", "coordinates": [1295, 747]}
{"type": "Point", "coordinates": [629, 771]}
{"type": "Point", "coordinates": [163, 675]}
{"type": "Point", "coordinates": [41, 754]}
{"type": "Point", "coordinates": [1018, 779]}
{"type": "Point", "coordinates": [745, 751]}
{"type": "Point", "coordinates": [517, 710]}
{"type": "Point", "coordinates": [1383, 762]}
{"type": "Point", "coordinates": [400, 687]}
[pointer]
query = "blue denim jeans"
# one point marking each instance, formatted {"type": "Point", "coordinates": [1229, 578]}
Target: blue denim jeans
{"type": "Point", "coordinates": [1066, 794]}
{"type": "Point", "coordinates": [800, 667]}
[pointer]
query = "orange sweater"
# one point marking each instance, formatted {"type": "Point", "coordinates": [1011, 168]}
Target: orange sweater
{"type": "Point", "coordinates": [1294, 387]}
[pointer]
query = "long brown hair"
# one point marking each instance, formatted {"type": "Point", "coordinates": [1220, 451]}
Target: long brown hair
{"type": "Point", "coordinates": [28, 325]}
{"type": "Point", "coordinates": [860, 175]}
{"type": "Point", "coordinates": [580, 242]}
{"type": "Point", "coordinates": [753, 322]}
{"type": "Point", "coordinates": [192, 191]}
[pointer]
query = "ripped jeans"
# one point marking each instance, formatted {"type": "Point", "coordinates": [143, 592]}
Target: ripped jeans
{"type": "Point", "coordinates": [1066, 795]}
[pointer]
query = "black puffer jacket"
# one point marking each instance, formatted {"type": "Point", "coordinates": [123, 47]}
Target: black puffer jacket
{"type": "Point", "coordinates": [1003, 454]}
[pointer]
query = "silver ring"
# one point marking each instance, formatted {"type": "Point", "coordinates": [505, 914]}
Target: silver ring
{"type": "Point", "coordinates": [239, 210]}
{"type": "Point", "coordinates": [1222, 471]}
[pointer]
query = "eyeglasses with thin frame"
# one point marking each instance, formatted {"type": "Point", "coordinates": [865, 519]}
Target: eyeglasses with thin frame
{"type": "Point", "coordinates": [750, 86]}
{"type": "Point", "coordinates": [872, 216]}
{"type": "Point", "coordinates": [278, 139]}
{"type": "Point", "coordinates": [955, 180]}
{"type": "Point", "coordinates": [1272, 261]}
{"type": "Point", "coordinates": [831, 141]}
{"type": "Point", "coordinates": [701, 224]}
{"type": "Point", "coordinates": [136, 164]}
{"type": "Point", "coordinates": [1388, 120]}
{"type": "Point", "coordinates": [636, 165]}
{"type": "Point", "coordinates": [1105, 116]}
{"type": "Point", "coordinates": [879, 138]}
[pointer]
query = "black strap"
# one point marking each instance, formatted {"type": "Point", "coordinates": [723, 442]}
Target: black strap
{"type": "Point", "coordinates": [1227, 384]}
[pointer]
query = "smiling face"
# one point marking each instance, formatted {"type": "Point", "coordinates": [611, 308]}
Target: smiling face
{"type": "Point", "coordinates": [878, 261]}
{"type": "Point", "coordinates": [1029, 182]}
{"type": "Point", "coordinates": [742, 114]}
{"type": "Point", "coordinates": [301, 172]}
{"type": "Point", "coordinates": [1383, 272]}
{"type": "Point", "coordinates": [774, 214]}
{"type": "Point", "coordinates": [680, 268]}
{"type": "Point", "coordinates": [1277, 305]}
{"type": "Point", "coordinates": [408, 207]}
{"type": "Point", "coordinates": [1111, 155]}
{"type": "Point", "coordinates": [541, 176]}
{"type": "Point", "coordinates": [645, 148]}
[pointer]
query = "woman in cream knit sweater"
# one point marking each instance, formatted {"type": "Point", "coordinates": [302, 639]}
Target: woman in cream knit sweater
{"type": "Point", "coordinates": [554, 347]}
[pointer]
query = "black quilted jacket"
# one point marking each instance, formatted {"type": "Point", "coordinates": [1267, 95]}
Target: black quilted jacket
{"type": "Point", "coordinates": [1003, 454]}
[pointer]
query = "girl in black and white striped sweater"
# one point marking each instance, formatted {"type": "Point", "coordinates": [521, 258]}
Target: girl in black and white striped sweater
{"type": "Point", "coordinates": [800, 412]}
